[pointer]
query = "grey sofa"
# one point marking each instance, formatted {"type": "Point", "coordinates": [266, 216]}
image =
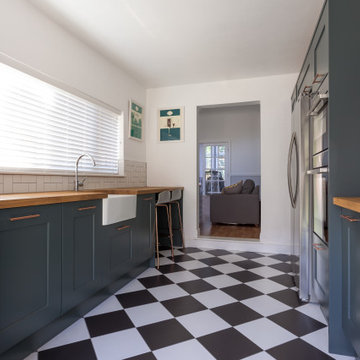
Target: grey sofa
{"type": "Point", "coordinates": [236, 208]}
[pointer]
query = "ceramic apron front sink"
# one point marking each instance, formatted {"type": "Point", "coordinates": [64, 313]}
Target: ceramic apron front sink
{"type": "Point", "coordinates": [118, 208]}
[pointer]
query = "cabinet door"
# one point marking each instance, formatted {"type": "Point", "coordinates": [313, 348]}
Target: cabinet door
{"type": "Point", "coordinates": [321, 274]}
{"type": "Point", "coordinates": [351, 278]}
{"type": "Point", "coordinates": [304, 84]}
{"type": "Point", "coordinates": [321, 50]}
{"type": "Point", "coordinates": [80, 243]}
{"type": "Point", "coordinates": [143, 242]}
{"type": "Point", "coordinates": [119, 242]}
{"type": "Point", "coordinates": [30, 271]}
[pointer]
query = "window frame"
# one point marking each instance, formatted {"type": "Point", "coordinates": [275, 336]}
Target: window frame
{"type": "Point", "coordinates": [78, 93]}
{"type": "Point", "coordinates": [203, 157]}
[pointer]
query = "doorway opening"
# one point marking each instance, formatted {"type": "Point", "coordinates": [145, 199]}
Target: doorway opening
{"type": "Point", "coordinates": [229, 178]}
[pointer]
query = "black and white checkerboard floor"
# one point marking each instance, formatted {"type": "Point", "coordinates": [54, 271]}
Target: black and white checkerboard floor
{"type": "Point", "coordinates": [207, 304]}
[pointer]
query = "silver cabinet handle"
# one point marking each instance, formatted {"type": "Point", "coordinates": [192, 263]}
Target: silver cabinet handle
{"type": "Point", "coordinates": [318, 171]}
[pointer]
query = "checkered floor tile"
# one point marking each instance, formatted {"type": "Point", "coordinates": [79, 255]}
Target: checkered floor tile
{"type": "Point", "coordinates": [206, 304]}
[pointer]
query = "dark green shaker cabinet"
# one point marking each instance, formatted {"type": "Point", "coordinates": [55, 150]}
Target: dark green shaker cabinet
{"type": "Point", "coordinates": [144, 236]}
{"type": "Point", "coordinates": [118, 250]}
{"type": "Point", "coordinates": [351, 277]}
{"type": "Point", "coordinates": [321, 50]}
{"type": "Point", "coordinates": [81, 247]}
{"type": "Point", "coordinates": [30, 271]}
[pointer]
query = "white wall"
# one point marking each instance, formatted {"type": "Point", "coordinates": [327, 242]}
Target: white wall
{"type": "Point", "coordinates": [238, 125]}
{"type": "Point", "coordinates": [175, 164]}
{"type": "Point", "coordinates": [30, 37]}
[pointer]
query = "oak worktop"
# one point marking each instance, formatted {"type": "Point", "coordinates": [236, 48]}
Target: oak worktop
{"type": "Point", "coordinates": [54, 197]}
{"type": "Point", "coordinates": [350, 203]}
{"type": "Point", "coordinates": [141, 190]}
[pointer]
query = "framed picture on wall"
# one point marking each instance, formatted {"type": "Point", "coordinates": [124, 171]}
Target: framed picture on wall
{"type": "Point", "coordinates": [171, 124]}
{"type": "Point", "coordinates": [136, 119]}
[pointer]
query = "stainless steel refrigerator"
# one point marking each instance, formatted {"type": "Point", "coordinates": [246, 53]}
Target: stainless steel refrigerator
{"type": "Point", "coordinates": [299, 191]}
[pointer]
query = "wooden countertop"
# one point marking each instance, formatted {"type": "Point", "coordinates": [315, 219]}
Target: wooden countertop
{"type": "Point", "coordinates": [54, 197]}
{"type": "Point", "coordinates": [45, 198]}
{"type": "Point", "coordinates": [350, 203]}
{"type": "Point", "coordinates": [141, 190]}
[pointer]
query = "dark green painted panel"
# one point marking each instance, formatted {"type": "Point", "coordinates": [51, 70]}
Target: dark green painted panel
{"type": "Point", "coordinates": [344, 146]}
{"type": "Point", "coordinates": [36, 340]}
{"type": "Point", "coordinates": [80, 242]}
{"type": "Point", "coordinates": [118, 243]}
{"type": "Point", "coordinates": [351, 279]}
{"type": "Point", "coordinates": [144, 233]}
{"type": "Point", "coordinates": [30, 271]}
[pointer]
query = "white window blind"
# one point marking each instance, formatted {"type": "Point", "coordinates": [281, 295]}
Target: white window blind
{"type": "Point", "coordinates": [44, 129]}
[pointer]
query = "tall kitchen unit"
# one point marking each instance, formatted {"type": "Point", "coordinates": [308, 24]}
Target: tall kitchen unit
{"type": "Point", "coordinates": [329, 79]}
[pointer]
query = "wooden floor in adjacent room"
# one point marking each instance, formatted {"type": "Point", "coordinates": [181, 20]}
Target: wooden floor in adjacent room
{"type": "Point", "coordinates": [223, 230]}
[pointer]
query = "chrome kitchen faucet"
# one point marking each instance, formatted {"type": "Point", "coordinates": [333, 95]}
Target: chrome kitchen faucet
{"type": "Point", "coordinates": [77, 183]}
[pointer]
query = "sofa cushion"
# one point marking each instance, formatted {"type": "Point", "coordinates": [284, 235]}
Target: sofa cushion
{"type": "Point", "coordinates": [233, 189]}
{"type": "Point", "coordinates": [248, 187]}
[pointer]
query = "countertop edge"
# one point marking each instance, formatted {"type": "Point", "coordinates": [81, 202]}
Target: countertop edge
{"type": "Point", "coordinates": [51, 199]}
{"type": "Point", "coordinates": [350, 203]}
{"type": "Point", "coordinates": [54, 197]}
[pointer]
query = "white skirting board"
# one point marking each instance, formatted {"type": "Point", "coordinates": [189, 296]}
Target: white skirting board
{"type": "Point", "coordinates": [240, 245]}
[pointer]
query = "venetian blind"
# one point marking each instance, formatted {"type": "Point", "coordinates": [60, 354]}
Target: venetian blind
{"type": "Point", "coordinates": [44, 128]}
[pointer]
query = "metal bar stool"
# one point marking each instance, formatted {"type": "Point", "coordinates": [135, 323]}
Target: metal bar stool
{"type": "Point", "coordinates": [163, 201]}
{"type": "Point", "coordinates": [175, 199]}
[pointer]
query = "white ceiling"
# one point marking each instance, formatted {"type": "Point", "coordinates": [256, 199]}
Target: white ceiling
{"type": "Point", "coordinates": [171, 42]}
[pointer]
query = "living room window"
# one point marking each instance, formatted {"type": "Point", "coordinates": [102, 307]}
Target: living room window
{"type": "Point", "coordinates": [45, 128]}
{"type": "Point", "coordinates": [216, 158]}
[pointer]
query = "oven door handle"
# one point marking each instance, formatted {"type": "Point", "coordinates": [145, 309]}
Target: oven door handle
{"type": "Point", "coordinates": [318, 171]}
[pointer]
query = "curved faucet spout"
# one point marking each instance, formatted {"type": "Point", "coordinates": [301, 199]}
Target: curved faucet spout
{"type": "Point", "coordinates": [77, 168]}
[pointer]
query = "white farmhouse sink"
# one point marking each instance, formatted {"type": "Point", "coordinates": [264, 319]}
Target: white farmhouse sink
{"type": "Point", "coordinates": [118, 208]}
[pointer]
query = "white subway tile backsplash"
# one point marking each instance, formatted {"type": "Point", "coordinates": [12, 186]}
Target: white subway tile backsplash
{"type": "Point", "coordinates": [135, 175]}
{"type": "Point", "coordinates": [28, 179]}
{"type": "Point", "coordinates": [20, 187]}
{"type": "Point", "coordinates": [8, 184]}
{"type": "Point", "coordinates": [32, 187]}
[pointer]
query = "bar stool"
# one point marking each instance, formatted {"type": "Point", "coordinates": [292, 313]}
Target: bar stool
{"type": "Point", "coordinates": [175, 199]}
{"type": "Point", "coordinates": [163, 200]}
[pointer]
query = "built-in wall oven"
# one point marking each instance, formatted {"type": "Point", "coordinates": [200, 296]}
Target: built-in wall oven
{"type": "Point", "coordinates": [319, 194]}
